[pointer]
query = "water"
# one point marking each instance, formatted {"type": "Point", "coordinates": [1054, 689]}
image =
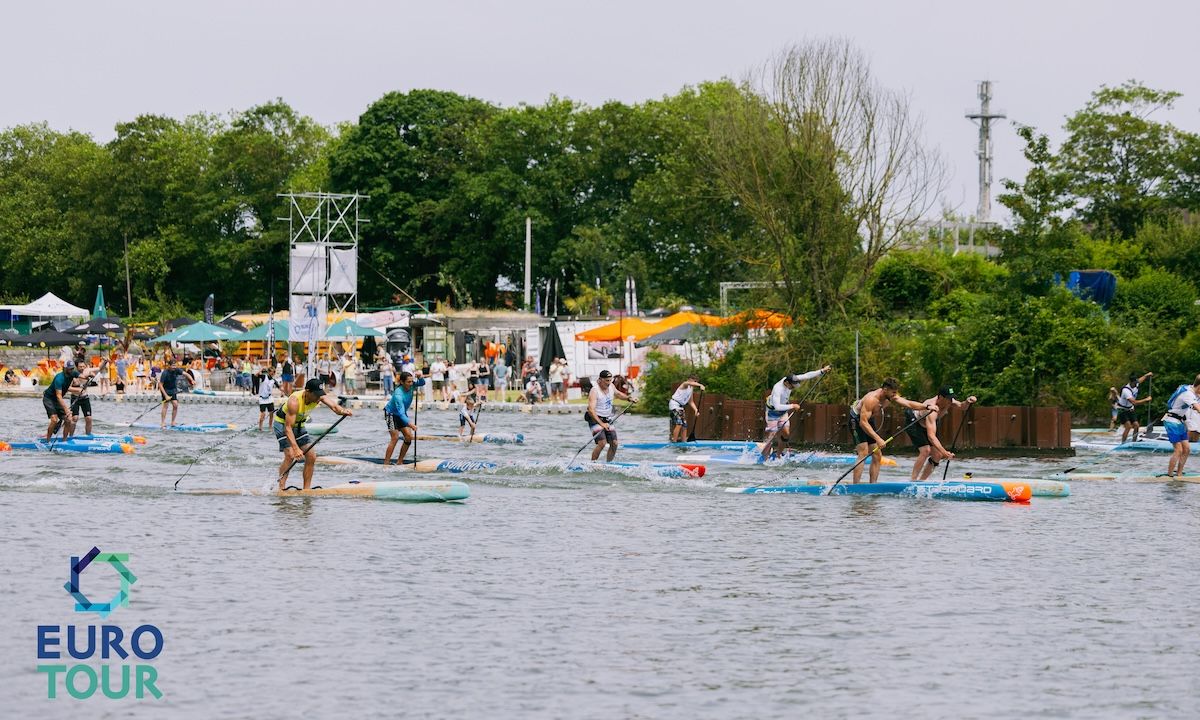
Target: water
{"type": "Point", "coordinates": [600, 595]}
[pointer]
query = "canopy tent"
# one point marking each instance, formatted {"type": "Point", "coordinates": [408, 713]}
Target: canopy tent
{"type": "Point", "coordinates": [675, 336]}
{"type": "Point", "coordinates": [98, 326]}
{"type": "Point", "coordinates": [199, 332]}
{"type": "Point", "coordinates": [640, 329]}
{"type": "Point", "coordinates": [259, 332]}
{"type": "Point", "coordinates": [349, 330]}
{"type": "Point", "coordinates": [50, 305]}
{"type": "Point", "coordinates": [760, 319]}
{"type": "Point", "coordinates": [45, 338]}
{"type": "Point", "coordinates": [552, 347]}
{"type": "Point", "coordinates": [98, 310]}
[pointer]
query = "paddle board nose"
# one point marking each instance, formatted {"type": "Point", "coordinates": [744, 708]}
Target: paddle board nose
{"type": "Point", "coordinates": [126, 448]}
{"type": "Point", "coordinates": [5, 447]}
{"type": "Point", "coordinates": [694, 470]}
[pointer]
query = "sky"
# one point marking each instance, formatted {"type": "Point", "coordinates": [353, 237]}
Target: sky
{"type": "Point", "coordinates": [89, 65]}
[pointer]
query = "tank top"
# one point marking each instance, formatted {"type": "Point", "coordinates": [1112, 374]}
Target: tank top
{"type": "Point", "coordinates": [682, 397]}
{"type": "Point", "coordinates": [302, 413]}
{"type": "Point", "coordinates": [604, 401]}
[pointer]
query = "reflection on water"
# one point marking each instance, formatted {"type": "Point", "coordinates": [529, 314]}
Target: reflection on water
{"type": "Point", "coordinates": [603, 595]}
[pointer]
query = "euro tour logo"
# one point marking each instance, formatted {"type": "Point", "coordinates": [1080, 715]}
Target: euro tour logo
{"type": "Point", "coordinates": [114, 679]}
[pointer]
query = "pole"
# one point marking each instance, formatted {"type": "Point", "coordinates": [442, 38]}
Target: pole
{"type": "Point", "coordinates": [128, 286]}
{"type": "Point", "coordinates": [528, 257]}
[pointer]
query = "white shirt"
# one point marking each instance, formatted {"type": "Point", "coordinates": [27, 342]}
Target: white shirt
{"type": "Point", "coordinates": [604, 401]}
{"type": "Point", "coordinates": [265, 387]}
{"type": "Point", "coordinates": [1183, 402]}
{"type": "Point", "coordinates": [437, 371]}
{"type": "Point", "coordinates": [682, 396]}
{"type": "Point", "coordinates": [556, 373]}
{"type": "Point", "coordinates": [1128, 395]}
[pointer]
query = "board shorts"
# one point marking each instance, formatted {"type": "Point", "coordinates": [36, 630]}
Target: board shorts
{"type": "Point", "coordinates": [302, 437]}
{"type": "Point", "coordinates": [598, 434]}
{"type": "Point", "coordinates": [860, 435]}
{"type": "Point", "coordinates": [266, 407]}
{"type": "Point", "coordinates": [394, 422]}
{"type": "Point", "coordinates": [53, 409]}
{"type": "Point", "coordinates": [171, 397]}
{"type": "Point", "coordinates": [1127, 415]}
{"type": "Point", "coordinates": [1176, 429]}
{"type": "Point", "coordinates": [678, 418]}
{"type": "Point", "coordinates": [775, 421]}
{"type": "Point", "coordinates": [83, 406]}
{"type": "Point", "coordinates": [917, 432]}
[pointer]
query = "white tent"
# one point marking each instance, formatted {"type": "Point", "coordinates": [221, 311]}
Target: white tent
{"type": "Point", "coordinates": [50, 305]}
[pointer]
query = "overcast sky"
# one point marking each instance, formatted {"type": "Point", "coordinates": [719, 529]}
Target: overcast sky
{"type": "Point", "coordinates": [89, 65]}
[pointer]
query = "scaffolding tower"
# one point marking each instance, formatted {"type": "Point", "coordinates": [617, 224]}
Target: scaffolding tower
{"type": "Point", "coordinates": [323, 232]}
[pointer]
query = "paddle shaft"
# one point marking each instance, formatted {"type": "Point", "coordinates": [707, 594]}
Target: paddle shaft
{"type": "Point", "coordinates": [474, 423]}
{"type": "Point", "coordinates": [872, 451]}
{"type": "Point", "coordinates": [954, 442]}
{"type": "Point", "coordinates": [327, 433]}
{"type": "Point", "coordinates": [691, 436]}
{"type": "Point", "coordinates": [598, 433]}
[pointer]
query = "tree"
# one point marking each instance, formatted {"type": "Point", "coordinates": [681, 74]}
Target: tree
{"type": "Point", "coordinates": [833, 162]}
{"type": "Point", "coordinates": [1119, 163]}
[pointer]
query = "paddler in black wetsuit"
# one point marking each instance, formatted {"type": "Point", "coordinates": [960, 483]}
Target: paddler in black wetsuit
{"type": "Point", "coordinates": [81, 401]}
{"type": "Point", "coordinates": [866, 416]}
{"type": "Point", "coordinates": [54, 400]}
{"type": "Point", "coordinates": [288, 424]}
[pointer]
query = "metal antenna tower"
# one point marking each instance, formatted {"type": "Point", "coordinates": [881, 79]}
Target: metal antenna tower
{"type": "Point", "coordinates": [985, 116]}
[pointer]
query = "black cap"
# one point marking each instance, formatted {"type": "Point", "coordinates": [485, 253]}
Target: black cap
{"type": "Point", "coordinates": [605, 374]}
{"type": "Point", "coordinates": [1133, 377]}
{"type": "Point", "coordinates": [947, 392]}
{"type": "Point", "coordinates": [314, 386]}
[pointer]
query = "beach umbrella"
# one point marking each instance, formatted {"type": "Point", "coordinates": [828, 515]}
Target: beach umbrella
{"type": "Point", "coordinates": [259, 332]}
{"type": "Point", "coordinates": [98, 326]}
{"type": "Point", "coordinates": [552, 347]}
{"type": "Point", "coordinates": [98, 310]}
{"type": "Point", "coordinates": [199, 332]}
{"type": "Point", "coordinates": [674, 336]}
{"type": "Point", "coordinates": [45, 338]}
{"type": "Point", "coordinates": [349, 330]}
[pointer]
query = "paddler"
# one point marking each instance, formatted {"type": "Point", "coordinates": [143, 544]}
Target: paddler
{"type": "Point", "coordinates": [395, 415]}
{"type": "Point", "coordinates": [780, 408]}
{"type": "Point", "coordinates": [54, 400]}
{"type": "Point", "coordinates": [681, 406]}
{"type": "Point", "coordinates": [288, 424]}
{"type": "Point", "coordinates": [467, 415]}
{"type": "Point", "coordinates": [1127, 403]}
{"type": "Point", "coordinates": [599, 415]}
{"type": "Point", "coordinates": [81, 402]}
{"type": "Point", "coordinates": [923, 432]}
{"type": "Point", "coordinates": [1186, 398]}
{"type": "Point", "coordinates": [866, 415]}
{"type": "Point", "coordinates": [168, 389]}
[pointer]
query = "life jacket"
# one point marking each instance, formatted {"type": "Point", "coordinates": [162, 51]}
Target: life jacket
{"type": "Point", "coordinates": [301, 413]}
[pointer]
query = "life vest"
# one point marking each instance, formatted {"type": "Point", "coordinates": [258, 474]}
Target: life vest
{"type": "Point", "coordinates": [301, 413]}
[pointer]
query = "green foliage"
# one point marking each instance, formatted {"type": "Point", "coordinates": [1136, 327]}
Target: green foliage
{"type": "Point", "coordinates": [1155, 297]}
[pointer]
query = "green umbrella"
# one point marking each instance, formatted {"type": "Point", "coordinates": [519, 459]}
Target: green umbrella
{"type": "Point", "coordinates": [259, 332]}
{"type": "Point", "coordinates": [349, 330]}
{"type": "Point", "coordinates": [199, 332]}
{"type": "Point", "coordinates": [98, 309]}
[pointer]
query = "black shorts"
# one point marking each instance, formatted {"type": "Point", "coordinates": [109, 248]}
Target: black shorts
{"type": "Point", "coordinates": [1127, 415]}
{"type": "Point", "coordinates": [171, 397]}
{"type": "Point", "coordinates": [597, 434]}
{"type": "Point", "coordinates": [83, 406]}
{"type": "Point", "coordinates": [302, 437]}
{"type": "Point", "coordinates": [53, 409]}
{"type": "Point", "coordinates": [917, 432]}
{"type": "Point", "coordinates": [860, 435]}
{"type": "Point", "coordinates": [394, 422]}
{"type": "Point", "coordinates": [268, 407]}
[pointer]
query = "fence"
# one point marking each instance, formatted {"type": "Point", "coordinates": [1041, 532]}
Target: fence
{"type": "Point", "coordinates": [816, 424]}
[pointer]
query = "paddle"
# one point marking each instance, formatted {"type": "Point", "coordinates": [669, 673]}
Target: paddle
{"type": "Point", "coordinates": [474, 424]}
{"type": "Point", "coordinates": [771, 438]}
{"type": "Point", "coordinates": [416, 411]}
{"type": "Point", "coordinates": [871, 451]}
{"type": "Point", "coordinates": [597, 433]}
{"type": "Point", "coordinates": [292, 464]}
{"type": "Point", "coordinates": [1149, 416]}
{"type": "Point", "coordinates": [691, 437]}
{"type": "Point", "coordinates": [954, 442]}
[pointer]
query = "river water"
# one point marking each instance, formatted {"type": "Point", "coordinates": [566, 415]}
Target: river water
{"type": "Point", "coordinates": [598, 595]}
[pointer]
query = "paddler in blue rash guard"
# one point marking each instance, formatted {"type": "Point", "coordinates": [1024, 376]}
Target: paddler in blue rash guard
{"type": "Point", "coordinates": [395, 415]}
{"type": "Point", "coordinates": [288, 424]}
